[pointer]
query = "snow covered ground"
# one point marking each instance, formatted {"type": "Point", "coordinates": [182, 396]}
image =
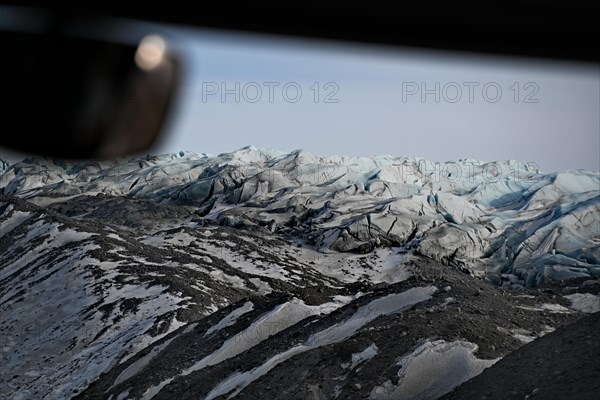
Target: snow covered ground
{"type": "Point", "coordinates": [493, 218]}
{"type": "Point", "coordinates": [390, 304]}
{"type": "Point", "coordinates": [112, 274]}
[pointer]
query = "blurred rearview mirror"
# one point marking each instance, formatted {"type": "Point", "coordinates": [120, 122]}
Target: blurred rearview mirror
{"type": "Point", "coordinates": [73, 97]}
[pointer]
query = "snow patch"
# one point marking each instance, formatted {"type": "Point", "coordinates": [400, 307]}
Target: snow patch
{"type": "Point", "coordinates": [15, 219]}
{"type": "Point", "coordinates": [585, 302]}
{"type": "Point", "coordinates": [231, 318]}
{"type": "Point", "coordinates": [382, 306]}
{"type": "Point", "coordinates": [553, 308]}
{"type": "Point", "coordinates": [281, 317]}
{"type": "Point", "coordinates": [136, 367]}
{"type": "Point", "coordinates": [432, 370]}
{"type": "Point", "coordinates": [365, 355]}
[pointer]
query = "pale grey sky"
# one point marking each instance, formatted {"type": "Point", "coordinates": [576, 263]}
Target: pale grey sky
{"type": "Point", "coordinates": [547, 112]}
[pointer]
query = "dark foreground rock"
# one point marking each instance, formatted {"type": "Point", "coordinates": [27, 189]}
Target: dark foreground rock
{"type": "Point", "coordinates": [562, 365]}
